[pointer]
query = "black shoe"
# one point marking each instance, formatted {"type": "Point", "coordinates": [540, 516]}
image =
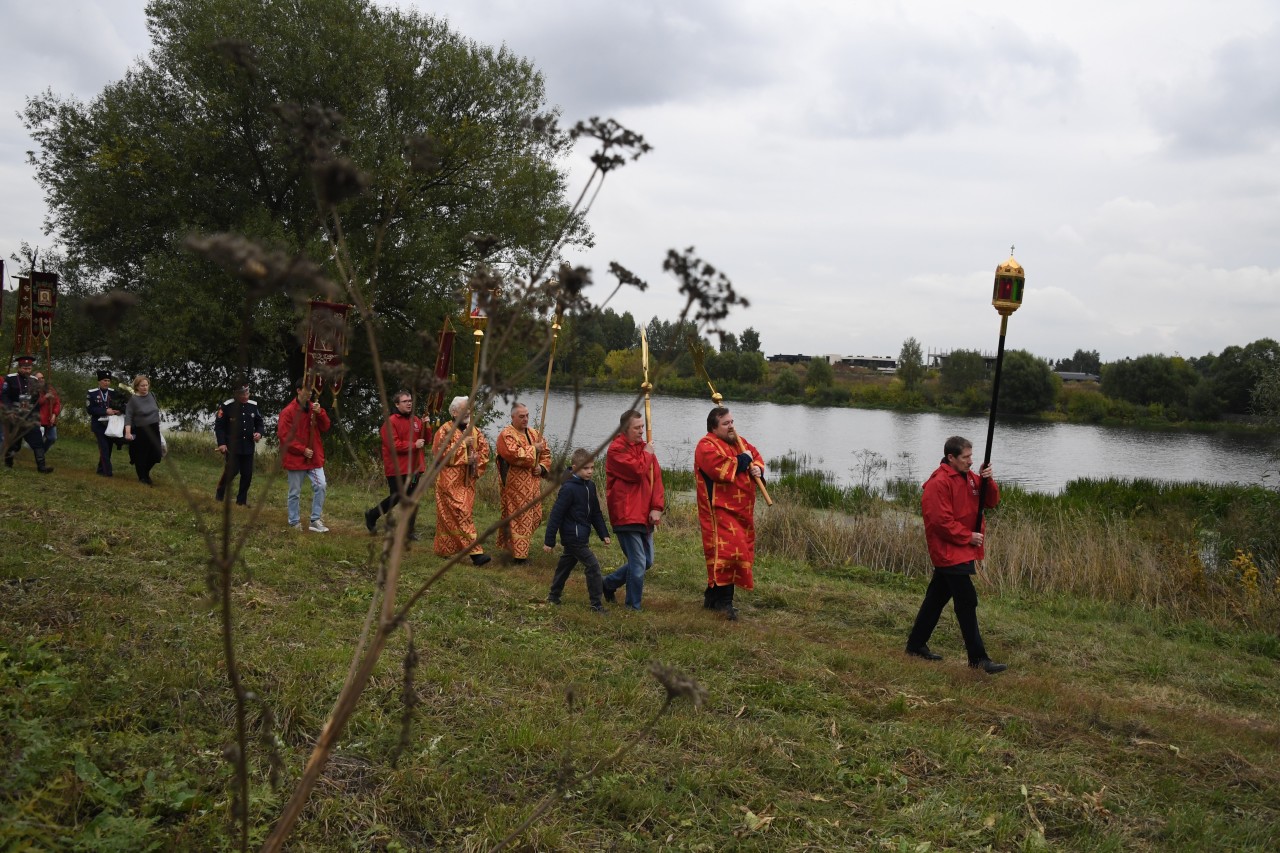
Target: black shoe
{"type": "Point", "coordinates": [241, 503]}
{"type": "Point", "coordinates": [413, 537]}
{"type": "Point", "coordinates": [45, 470]}
{"type": "Point", "coordinates": [520, 561]}
{"type": "Point", "coordinates": [218, 496]}
{"type": "Point", "coordinates": [924, 652]}
{"type": "Point", "coordinates": [989, 666]}
{"type": "Point", "coordinates": [610, 595]}
{"type": "Point", "coordinates": [480, 559]}
{"type": "Point", "coordinates": [8, 462]}
{"type": "Point", "coordinates": [554, 601]}
{"type": "Point", "coordinates": [371, 520]}
{"type": "Point", "coordinates": [731, 613]}
{"type": "Point", "coordinates": [599, 610]}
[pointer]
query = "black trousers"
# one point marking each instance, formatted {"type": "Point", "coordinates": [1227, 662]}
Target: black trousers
{"type": "Point", "coordinates": [237, 465]}
{"type": "Point", "coordinates": [718, 597]}
{"type": "Point", "coordinates": [950, 584]}
{"type": "Point", "coordinates": [105, 446]}
{"type": "Point", "coordinates": [574, 554]}
{"type": "Point", "coordinates": [393, 497]}
{"type": "Point", "coordinates": [35, 440]}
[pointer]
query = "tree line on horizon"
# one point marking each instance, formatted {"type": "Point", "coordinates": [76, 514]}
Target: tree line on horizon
{"type": "Point", "coordinates": [1237, 382]}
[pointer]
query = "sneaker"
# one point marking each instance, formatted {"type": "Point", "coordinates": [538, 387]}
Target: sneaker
{"type": "Point", "coordinates": [610, 595]}
{"type": "Point", "coordinates": [989, 666]}
{"type": "Point", "coordinates": [295, 525]}
{"type": "Point", "coordinates": [480, 559]}
{"type": "Point", "coordinates": [317, 526]}
{"type": "Point", "coordinates": [371, 520]}
{"type": "Point", "coordinates": [554, 601]}
{"type": "Point", "coordinates": [414, 537]}
{"type": "Point", "coordinates": [599, 610]}
{"type": "Point", "coordinates": [924, 652]}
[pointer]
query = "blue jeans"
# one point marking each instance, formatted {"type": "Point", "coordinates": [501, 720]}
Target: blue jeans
{"type": "Point", "coordinates": [638, 549]}
{"type": "Point", "coordinates": [50, 436]}
{"type": "Point", "coordinates": [318, 487]}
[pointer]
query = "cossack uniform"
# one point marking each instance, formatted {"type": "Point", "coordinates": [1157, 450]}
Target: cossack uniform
{"type": "Point", "coordinates": [23, 416]}
{"type": "Point", "coordinates": [101, 402]}
{"type": "Point", "coordinates": [237, 427]}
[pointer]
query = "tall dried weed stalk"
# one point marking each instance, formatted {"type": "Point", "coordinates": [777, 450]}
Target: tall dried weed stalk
{"type": "Point", "coordinates": [518, 322]}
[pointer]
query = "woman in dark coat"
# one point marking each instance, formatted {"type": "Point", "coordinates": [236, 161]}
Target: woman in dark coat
{"type": "Point", "coordinates": [142, 429]}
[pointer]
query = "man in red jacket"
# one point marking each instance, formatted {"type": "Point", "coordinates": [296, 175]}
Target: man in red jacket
{"type": "Point", "coordinates": [634, 494]}
{"type": "Point", "coordinates": [955, 540]}
{"type": "Point", "coordinates": [50, 408]}
{"type": "Point", "coordinates": [403, 461]}
{"type": "Point", "coordinates": [301, 424]}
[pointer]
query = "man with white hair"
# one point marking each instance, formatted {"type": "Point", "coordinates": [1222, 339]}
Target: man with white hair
{"type": "Point", "coordinates": [523, 460]}
{"type": "Point", "coordinates": [465, 452]}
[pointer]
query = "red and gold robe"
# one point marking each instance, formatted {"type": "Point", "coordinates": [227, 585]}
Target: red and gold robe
{"type": "Point", "coordinates": [726, 511]}
{"type": "Point", "coordinates": [456, 490]}
{"type": "Point", "coordinates": [522, 476]}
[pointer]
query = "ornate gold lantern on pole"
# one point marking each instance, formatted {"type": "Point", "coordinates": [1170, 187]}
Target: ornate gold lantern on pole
{"type": "Point", "coordinates": [482, 289]}
{"type": "Point", "coordinates": [479, 292]}
{"type": "Point", "coordinates": [1006, 297]}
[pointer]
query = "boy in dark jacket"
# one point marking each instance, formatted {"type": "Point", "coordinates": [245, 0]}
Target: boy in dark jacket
{"type": "Point", "coordinates": [577, 510]}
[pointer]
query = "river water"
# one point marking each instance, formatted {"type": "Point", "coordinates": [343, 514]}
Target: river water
{"type": "Point", "coordinates": [1038, 457]}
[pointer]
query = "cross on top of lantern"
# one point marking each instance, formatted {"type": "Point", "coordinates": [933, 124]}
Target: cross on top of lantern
{"type": "Point", "coordinates": [1010, 278]}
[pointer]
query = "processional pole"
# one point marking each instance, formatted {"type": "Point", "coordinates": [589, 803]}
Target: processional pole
{"type": "Point", "coordinates": [1005, 298]}
{"type": "Point", "coordinates": [480, 292]}
{"type": "Point", "coordinates": [646, 387]}
{"type": "Point", "coordinates": [551, 360]}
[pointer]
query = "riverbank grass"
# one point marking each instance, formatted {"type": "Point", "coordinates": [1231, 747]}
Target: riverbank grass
{"type": "Point", "coordinates": [1117, 727]}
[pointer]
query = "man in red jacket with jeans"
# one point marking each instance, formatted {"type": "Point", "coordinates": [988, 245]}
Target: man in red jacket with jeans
{"type": "Point", "coordinates": [950, 508]}
{"type": "Point", "coordinates": [634, 493]}
{"type": "Point", "coordinates": [301, 424]}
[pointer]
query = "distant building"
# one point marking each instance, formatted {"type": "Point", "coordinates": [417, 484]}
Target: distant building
{"type": "Point", "coordinates": [885, 363]}
{"type": "Point", "coordinates": [1071, 376]}
{"type": "Point", "coordinates": [783, 358]}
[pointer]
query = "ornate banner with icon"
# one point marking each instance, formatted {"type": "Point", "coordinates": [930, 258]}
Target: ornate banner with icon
{"type": "Point", "coordinates": [326, 345]}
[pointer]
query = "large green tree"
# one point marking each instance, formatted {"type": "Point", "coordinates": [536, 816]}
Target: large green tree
{"type": "Point", "coordinates": [1235, 373]}
{"type": "Point", "coordinates": [911, 364]}
{"type": "Point", "coordinates": [1026, 383]}
{"type": "Point", "coordinates": [1083, 361]}
{"type": "Point", "coordinates": [963, 369]}
{"type": "Point", "coordinates": [1151, 378]}
{"type": "Point", "coordinates": [216, 131]}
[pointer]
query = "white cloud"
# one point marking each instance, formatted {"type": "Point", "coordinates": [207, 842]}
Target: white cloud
{"type": "Point", "coordinates": [859, 170]}
{"type": "Point", "coordinates": [1234, 106]}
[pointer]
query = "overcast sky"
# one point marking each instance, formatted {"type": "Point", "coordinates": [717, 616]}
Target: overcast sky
{"type": "Point", "coordinates": [859, 169]}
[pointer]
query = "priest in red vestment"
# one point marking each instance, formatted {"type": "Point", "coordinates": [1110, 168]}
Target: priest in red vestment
{"type": "Point", "coordinates": [523, 460]}
{"type": "Point", "coordinates": [466, 455]}
{"type": "Point", "coordinates": [725, 463]}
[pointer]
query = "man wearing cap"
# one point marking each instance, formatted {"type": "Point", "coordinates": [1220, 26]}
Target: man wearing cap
{"type": "Point", "coordinates": [237, 429]}
{"type": "Point", "coordinates": [23, 416]}
{"type": "Point", "coordinates": [101, 402]}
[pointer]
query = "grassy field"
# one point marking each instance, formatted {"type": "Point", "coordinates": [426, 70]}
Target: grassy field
{"type": "Point", "coordinates": [1117, 727]}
